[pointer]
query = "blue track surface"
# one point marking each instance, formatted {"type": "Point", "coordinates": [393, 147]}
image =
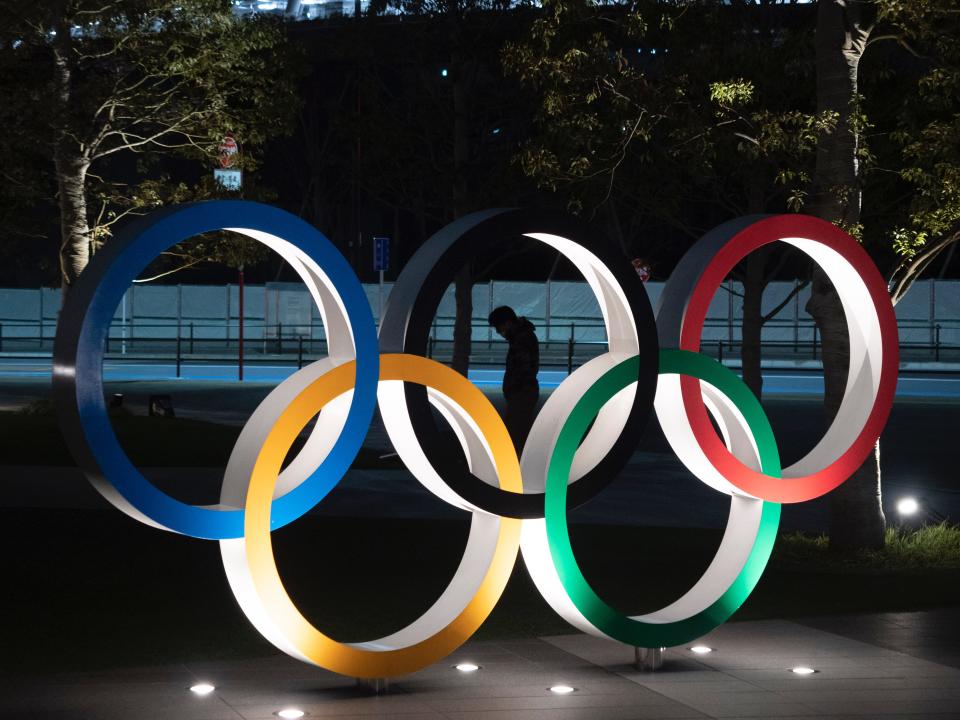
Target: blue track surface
{"type": "Point", "coordinates": [944, 386]}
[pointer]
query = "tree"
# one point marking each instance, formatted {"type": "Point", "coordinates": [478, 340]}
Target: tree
{"type": "Point", "coordinates": [927, 136]}
{"type": "Point", "coordinates": [667, 128]}
{"type": "Point", "coordinates": [442, 143]}
{"type": "Point", "coordinates": [103, 90]}
{"type": "Point", "coordinates": [925, 128]}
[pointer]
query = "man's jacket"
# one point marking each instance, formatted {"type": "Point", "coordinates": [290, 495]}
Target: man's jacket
{"type": "Point", "coordinates": [523, 359]}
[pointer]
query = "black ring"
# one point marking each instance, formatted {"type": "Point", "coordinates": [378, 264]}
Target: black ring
{"type": "Point", "coordinates": [409, 315]}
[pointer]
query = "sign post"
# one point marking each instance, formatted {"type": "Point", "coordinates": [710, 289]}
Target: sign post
{"type": "Point", "coordinates": [381, 262]}
{"type": "Point", "coordinates": [228, 175]}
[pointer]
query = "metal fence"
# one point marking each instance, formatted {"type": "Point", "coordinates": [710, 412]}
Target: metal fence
{"type": "Point", "coordinates": [199, 323]}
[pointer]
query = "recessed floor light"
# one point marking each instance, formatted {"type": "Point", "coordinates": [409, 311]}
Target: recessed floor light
{"type": "Point", "coordinates": [562, 689]}
{"type": "Point", "coordinates": [202, 689]}
{"type": "Point", "coordinates": [701, 649]}
{"type": "Point", "coordinates": [803, 670]}
{"type": "Point", "coordinates": [467, 667]}
{"type": "Point", "coordinates": [291, 714]}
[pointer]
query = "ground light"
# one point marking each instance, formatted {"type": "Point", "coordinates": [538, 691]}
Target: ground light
{"type": "Point", "coordinates": [562, 689]}
{"type": "Point", "coordinates": [802, 670]}
{"type": "Point", "coordinates": [701, 649]}
{"type": "Point", "coordinates": [467, 667]}
{"type": "Point", "coordinates": [202, 689]}
{"type": "Point", "coordinates": [907, 506]}
{"type": "Point", "coordinates": [291, 714]}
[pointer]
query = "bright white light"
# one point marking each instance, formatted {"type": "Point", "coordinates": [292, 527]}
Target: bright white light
{"type": "Point", "coordinates": [562, 689]}
{"type": "Point", "coordinates": [802, 670]}
{"type": "Point", "coordinates": [467, 667]}
{"type": "Point", "coordinates": [202, 689]}
{"type": "Point", "coordinates": [701, 649]}
{"type": "Point", "coordinates": [908, 506]}
{"type": "Point", "coordinates": [291, 714]}
{"type": "Point", "coordinates": [444, 72]}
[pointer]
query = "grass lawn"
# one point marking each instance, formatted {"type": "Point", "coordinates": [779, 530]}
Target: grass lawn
{"type": "Point", "coordinates": [93, 589]}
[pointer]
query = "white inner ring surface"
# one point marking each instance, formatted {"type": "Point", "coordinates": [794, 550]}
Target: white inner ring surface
{"type": "Point", "coordinates": [331, 421]}
{"type": "Point", "coordinates": [739, 536]}
{"type": "Point", "coordinates": [477, 557]}
{"type": "Point", "coordinates": [863, 381]}
{"type": "Point", "coordinates": [623, 343]}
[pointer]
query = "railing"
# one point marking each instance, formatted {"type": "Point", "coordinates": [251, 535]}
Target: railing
{"type": "Point", "coordinates": [571, 343]}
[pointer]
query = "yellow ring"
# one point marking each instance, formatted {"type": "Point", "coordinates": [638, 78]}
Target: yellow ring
{"type": "Point", "coordinates": [309, 642]}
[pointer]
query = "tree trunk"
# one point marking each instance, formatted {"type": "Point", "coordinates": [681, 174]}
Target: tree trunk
{"type": "Point", "coordinates": [462, 329]}
{"type": "Point", "coordinates": [463, 284]}
{"type": "Point", "coordinates": [754, 281]}
{"type": "Point", "coordinates": [74, 230]}
{"type": "Point", "coordinates": [856, 515]}
{"type": "Point", "coordinates": [71, 168]}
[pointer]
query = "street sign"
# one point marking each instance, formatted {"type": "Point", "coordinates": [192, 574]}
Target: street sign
{"type": "Point", "coordinates": [643, 268]}
{"type": "Point", "coordinates": [381, 254]}
{"type": "Point", "coordinates": [228, 152]}
{"type": "Point", "coordinates": [228, 179]}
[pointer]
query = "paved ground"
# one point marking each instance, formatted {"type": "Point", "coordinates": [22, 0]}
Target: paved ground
{"type": "Point", "coordinates": [747, 676]}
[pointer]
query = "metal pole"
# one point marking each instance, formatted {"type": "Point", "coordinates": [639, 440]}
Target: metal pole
{"type": "Point", "coordinates": [299, 352]}
{"type": "Point", "coordinates": [548, 309]}
{"type": "Point", "coordinates": [280, 338]}
{"type": "Point", "coordinates": [570, 343]}
{"type": "Point", "coordinates": [720, 351]}
{"type": "Point", "coordinates": [796, 315]}
{"type": "Point", "coordinates": [178, 356]}
{"type": "Point", "coordinates": [123, 324]}
{"type": "Point", "coordinates": [936, 345]}
{"type": "Point", "coordinates": [191, 338]}
{"type": "Point", "coordinates": [380, 302]}
{"type": "Point", "coordinates": [240, 325]}
{"type": "Point", "coordinates": [814, 342]}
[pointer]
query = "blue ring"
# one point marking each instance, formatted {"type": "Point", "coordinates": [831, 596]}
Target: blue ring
{"type": "Point", "coordinates": [78, 360]}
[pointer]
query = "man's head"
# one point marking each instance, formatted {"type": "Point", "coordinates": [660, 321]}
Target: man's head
{"type": "Point", "coordinates": [502, 319]}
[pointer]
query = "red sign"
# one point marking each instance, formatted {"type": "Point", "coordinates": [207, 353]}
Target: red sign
{"type": "Point", "coordinates": [642, 267]}
{"type": "Point", "coordinates": [229, 152]}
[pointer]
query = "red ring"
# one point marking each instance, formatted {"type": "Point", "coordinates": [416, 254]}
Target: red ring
{"type": "Point", "coordinates": [763, 232]}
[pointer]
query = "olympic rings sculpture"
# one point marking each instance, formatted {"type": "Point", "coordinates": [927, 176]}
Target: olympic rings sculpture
{"type": "Point", "coordinates": [583, 436]}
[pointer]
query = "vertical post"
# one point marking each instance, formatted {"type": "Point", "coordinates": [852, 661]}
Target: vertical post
{"type": "Point", "coordinates": [936, 344]}
{"type": "Point", "coordinates": [178, 355]}
{"type": "Point", "coordinates": [191, 337]}
{"type": "Point", "coordinates": [240, 324]}
{"type": "Point", "coordinates": [123, 324]}
{"type": "Point", "coordinates": [380, 301]}
{"type": "Point", "coordinates": [730, 311]}
{"type": "Point", "coordinates": [933, 307]}
{"type": "Point", "coordinates": [814, 341]}
{"type": "Point", "coordinates": [489, 310]}
{"type": "Point", "coordinates": [279, 338]}
{"type": "Point", "coordinates": [299, 352]}
{"type": "Point", "coordinates": [570, 344]}
{"type": "Point", "coordinates": [228, 315]}
{"type": "Point", "coordinates": [648, 659]}
{"type": "Point", "coordinates": [41, 319]}
{"type": "Point", "coordinates": [720, 351]}
{"type": "Point", "coordinates": [796, 315]}
{"type": "Point", "coordinates": [1, 337]}
{"type": "Point", "coordinates": [548, 310]}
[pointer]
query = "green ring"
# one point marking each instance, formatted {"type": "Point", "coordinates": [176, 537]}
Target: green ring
{"type": "Point", "coordinates": [606, 619]}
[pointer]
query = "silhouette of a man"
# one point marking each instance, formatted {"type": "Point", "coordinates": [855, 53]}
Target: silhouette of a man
{"type": "Point", "coordinates": [520, 387]}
